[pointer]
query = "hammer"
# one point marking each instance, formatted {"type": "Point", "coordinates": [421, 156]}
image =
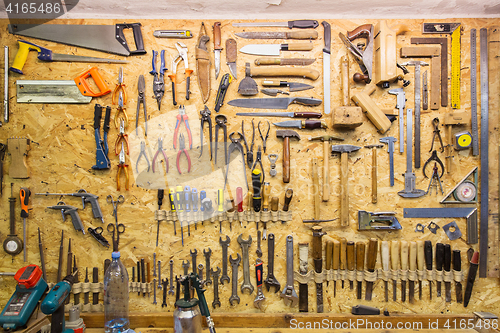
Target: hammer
{"type": "Point", "coordinates": [286, 135]}
{"type": "Point", "coordinates": [374, 170]}
{"type": "Point", "coordinates": [326, 172]}
{"type": "Point", "coordinates": [344, 150]}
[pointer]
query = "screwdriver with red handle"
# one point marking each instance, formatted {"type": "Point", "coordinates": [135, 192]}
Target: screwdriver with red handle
{"type": "Point", "coordinates": [24, 194]}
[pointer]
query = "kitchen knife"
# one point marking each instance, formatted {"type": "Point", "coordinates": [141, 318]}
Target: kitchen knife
{"type": "Point", "coordinates": [292, 86]}
{"type": "Point", "coordinates": [302, 124]}
{"type": "Point", "coordinates": [305, 34]}
{"type": "Point", "coordinates": [281, 114]}
{"type": "Point", "coordinates": [274, 49]}
{"type": "Point", "coordinates": [274, 103]}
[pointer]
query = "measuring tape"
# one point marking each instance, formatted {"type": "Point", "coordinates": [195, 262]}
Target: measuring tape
{"type": "Point", "coordinates": [455, 68]}
{"type": "Point", "coordinates": [463, 140]}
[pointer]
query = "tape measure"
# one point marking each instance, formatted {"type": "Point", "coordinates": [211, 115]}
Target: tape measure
{"type": "Point", "coordinates": [465, 192]}
{"type": "Point", "coordinates": [455, 68]}
{"type": "Point", "coordinates": [463, 140]}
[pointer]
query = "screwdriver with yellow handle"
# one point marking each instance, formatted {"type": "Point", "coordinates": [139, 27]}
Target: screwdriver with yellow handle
{"type": "Point", "coordinates": [24, 194]}
{"type": "Point", "coordinates": [45, 54]}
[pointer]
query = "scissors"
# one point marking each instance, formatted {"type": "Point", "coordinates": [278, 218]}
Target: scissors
{"type": "Point", "coordinates": [119, 228]}
{"type": "Point", "coordinates": [97, 234]}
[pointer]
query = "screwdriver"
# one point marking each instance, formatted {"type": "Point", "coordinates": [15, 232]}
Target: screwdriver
{"type": "Point", "coordinates": [257, 196]}
{"type": "Point", "coordinates": [239, 201]}
{"type": "Point", "coordinates": [266, 193]}
{"type": "Point", "coordinates": [171, 199]}
{"type": "Point", "coordinates": [178, 202]}
{"type": "Point", "coordinates": [194, 204]}
{"type": "Point", "coordinates": [24, 194]}
{"type": "Point", "coordinates": [161, 193]}
{"type": "Point", "coordinates": [187, 205]}
{"type": "Point", "coordinates": [220, 206]}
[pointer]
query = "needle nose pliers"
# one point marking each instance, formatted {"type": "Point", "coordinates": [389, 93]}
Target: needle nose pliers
{"type": "Point", "coordinates": [182, 117]}
{"type": "Point", "coordinates": [143, 152]}
{"type": "Point", "coordinates": [182, 149]}
{"type": "Point", "coordinates": [160, 149]}
{"type": "Point", "coordinates": [121, 109]}
{"type": "Point", "coordinates": [122, 167]}
{"type": "Point", "coordinates": [122, 137]}
{"type": "Point", "coordinates": [141, 88]}
{"type": "Point", "coordinates": [158, 81]}
{"type": "Point", "coordinates": [120, 88]}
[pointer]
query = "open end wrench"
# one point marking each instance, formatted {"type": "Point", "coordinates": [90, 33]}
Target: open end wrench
{"type": "Point", "coordinates": [289, 293]}
{"type": "Point", "coordinates": [215, 276]}
{"type": "Point", "coordinates": [245, 244]}
{"type": "Point", "coordinates": [271, 280]}
{"type": "Point", "coordinates": [207, 255]}
{"type": "Point", "coordinates": [193, 259]}
{"type": "Point", "coordinates": [171, 290]}
{"type": "Point", "coordinates": [225, 245]}
{"type": "Point", "coordinates": [234, 267]}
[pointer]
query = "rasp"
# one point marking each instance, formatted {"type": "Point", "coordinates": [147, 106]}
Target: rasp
{"type": "Point", "coordinates": [304, 34]}
{"type": "Point", "coordinates": [326, 66]}
{"type": "Point", "coordinates": [273, 103]}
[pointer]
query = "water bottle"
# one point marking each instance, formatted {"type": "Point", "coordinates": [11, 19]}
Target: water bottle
{"type": "Point", "coordinates": [116, 297]}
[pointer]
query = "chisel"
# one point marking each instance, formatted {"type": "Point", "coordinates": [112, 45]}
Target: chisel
{"type": "Point", "coordinates": [413, 273]}
{"type": "Point", "coordinates": [317, 252]}
{"type": "Point", "coordinates": [343, 257]}
{"type": "Point", "coordinates": [420, 265]}
{"type": "Point", "coordinates": [447, 269]}
{"type": "Point", "coordinates": [384, 252]}
{"type": "Point", "coordinates": [471, 276]}
{"type": "Point", "coordinates": [370, 265]}
{"type": "Point", "coordinates": [86, 295]}
{"type": "Point", "coordinates": [439, 266]}
{"type": "Point", "coordinates": [335, 263]}
{"type": "Point", "coordinates": [457, 267]}
{"type": "Point", "coordinates": [95, 279]}
{"type": "Point", "coordinates": [328, 255]}
{"type": "Point", "coordinates": [139, 277]}
{"type": "Point", "coordinates": [404, 268]}
{"type": "Point", "coordinates": [428, 264]}
{"type": "Point", "coordinates": [351, 261]}
{"type": "Point", "coordinates": [360, 263]}
{"type": "Point", "coordinates": [143, 275]}
{"type": "Point", "coordinates": [394, 267]}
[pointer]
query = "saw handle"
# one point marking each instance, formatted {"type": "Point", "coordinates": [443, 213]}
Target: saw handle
{"type": "Point", "coordinates": [22, 55]}
{"type": "Point", "coordinates": [363, 31]}
{"type": "Point", "coordinates": [83, 86]}
{"type": "Point", "coordinates": [139, 42]}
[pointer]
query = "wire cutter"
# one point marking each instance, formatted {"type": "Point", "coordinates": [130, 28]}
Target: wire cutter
{"type": "Point", "coordinates": [264, 139]}
{"type": "Point", "coordinates": [182, 117]}
{"type": "Point", "coordinates": [160, 149]}
{"type": "Point", "coordinates": [121, 109]}
{"type": "Point", "coordinates": [143, 152]}
{"type": "Point", "coordinates": [141, 88]}
{"type": "Point", "coordinates": [124, 167]}
{"type": "Point", "coordinates": [122, 137]}
{"type": "Point", "coordinates": [205, 117]}
{"type": "Point", "coordinates": [120, 88]}
{"type": "Point", "coordinates": [235, 144]}
{"type": "Point", "coordinates": [182, 149]}
{"type": "Point", "coordinates": [158, 81]}
{"type": "Point", "coordinates": [182, 56]}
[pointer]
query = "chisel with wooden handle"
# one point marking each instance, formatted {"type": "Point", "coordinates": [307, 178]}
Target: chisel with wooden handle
{"type": "Point", "coordinates": [428, 264]}
{"type": "Point", "coordinates": [420, 265]}
{"type": "Point", "coordinates": [447, 268]}
{"type": "Point", "coordinates": [439, 265]}
{"type": "Point", "coordinates": [404, 267]}
{"type": "Point", "coordinates": [343, 257]}
{"type": "Point", "coordinates": [413, 267]}
{"type": "Point", "coordinates": [360, 266]}
{"type": "Point", "coordinates": [328, 255]}
{"type": "Point", "coordinates": [370, 265]}
{"type": "Point", "coordinates": [384, 252]}
{"type": "Point", "coordinates": [457, 267]}
{"type": "Point", "coordinates": [351, 261]}
{"type": "Point", "coordinates": [394, 267]}
{"type": "Point", "coordinates": [335, 263]}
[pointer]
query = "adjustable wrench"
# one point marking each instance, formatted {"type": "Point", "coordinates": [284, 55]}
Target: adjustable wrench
{"type": "Point", "coordinates": [258, 275]}
{"type": "Point", "coordinates": [171, 290]}
{"type": "Point", "coordinates": [207, 255]}
{"type": "Point", "coordinates": [215, 275]}
{"type": "Point", "coordinates": [245, 244]}
{"type": "Point", "coordinates": [225, 245]}
{"type": "Point", "coordinates": [271, 280]}
{"type": "Point", "coordinates": [234, 267]}
{"type": "Point", "coordinates": [289, 292]}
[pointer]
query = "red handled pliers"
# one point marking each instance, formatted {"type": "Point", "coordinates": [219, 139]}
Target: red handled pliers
{"type": "Point", "coordinates": [182, 117]}
{"type": "Point", "coordinates": [182, 149]}
{"type": "Point", "coordinates": [160, 149]}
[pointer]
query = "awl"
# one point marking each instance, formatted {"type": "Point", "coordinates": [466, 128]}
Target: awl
{"type": "Point", "coordinates": [302, 124]}
{"type": "Point", "coordinates": [281, 114]}
{"type": "Point", "coordinates": [292, 86]}
{"type": "Point", "coordinates": [305, 34]}
{"type": "Point", "coordinates": [300, 24]}
{"type": "Point", "coordinates": [274, 49]}
{"type": "Point", "coordinates": [370, 265]}
{"type": "Point", "coordinates": [273, 103]}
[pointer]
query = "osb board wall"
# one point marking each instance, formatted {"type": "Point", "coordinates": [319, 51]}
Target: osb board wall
{"type": "Point", "coordinates": [63, 152]}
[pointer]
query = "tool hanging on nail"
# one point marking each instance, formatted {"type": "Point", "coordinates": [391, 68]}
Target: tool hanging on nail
{"type": "Point", "coordinates": [142, 153]}
{"type": "Point", "coordinates": [141, 99]}
{"type": "Point", "coordinates": [182, 56]}
{"type": "Point", "coordinates": [122, 167]}
{"type": "Point", "coordinates": [205, 117]}
{"type": "Point", "coordinates": [434, 157]}
{"type": "Point", "coordinates": [435, 180]}
{"type": "Point", "coordinates": [102, 160]}
{"type": "Point", "coordinates": [182, 149]}
{"type": "Point", "coordinates": [437, 132]}
{"type": "Point", "coordinates": [162, 151]}
{"type": "Point", "coordinates": [249, 150]}
{"type": "Point", "coordinates": [264, 139]}
{"type": "Point", "coordinates": [217, 48]}
{"type": "Point", "coordinates": [121, 109]}
{"type": "Point", "coordinates": [221, 92]}
{"type": "Point", "coordinates": [122, 138]}
{"type": "Point", "coordinates": [235, 144]}
{"type": "Point", "coordinates": [182, 118]}
{"type": "Point", "coordinates": [220, 121]}
{"type": "Point", "coordinates": [120, 88]}
{"type": "Point", "coordinates": [158, 77]}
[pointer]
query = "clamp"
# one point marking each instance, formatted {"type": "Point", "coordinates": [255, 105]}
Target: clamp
{"type": "Point", "coordinates": [182, 117]}
{"type": "Point", "coordinates": [220, 121]}
{"type": "Point", "coordinates": [143, 152]}
{"type": "Point", "coordinates": [182, 56]}
{"type": "Point", "coordinates": [182, 149]}
{"type": "Point", "coordinates": [205, 117]}
{"type": "Point", "coordinates": [434, 157]}
{"type": "Point", "coordinates": [249, 151]}
{"type": "Point", "coordinates": [264, 139]}
{"type": "Point", "coordinates": [158, 81]}
{"type": "Point", "coordinates": [160, 149]}
{"type": "Point", "coordinates": [236, 144]}
{"type": "Point", "coordinates": [124, 167]}
{"type": "Point", "coordinates": [141, 88]}
{"type": "Point", "coordinates": [121, 109]}
{"type": "Point", "coordinates": [437, 132]}
{"type": "Point", "coordinates": [120, 88]}
{"type": "Point", "coordinates": [258, 159]}
{"type": "Point", "coordinates": [122, 137]}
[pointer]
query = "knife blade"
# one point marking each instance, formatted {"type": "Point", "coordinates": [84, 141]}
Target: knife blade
{"type": "Point", "coordinates": [457, 267]}
{"type": "Point", "coordinates": [217, 48]}
{"type": "Point", "coordinates": [274, 49]}
{"type": "Point", "coordinates": [283, 61]}
{"type": "Point", "coordinates": [326, 66]}
{"type": "Point", "coordinates": [273, 103]}
{"type": "Point", "coordinates": [370, 265]}
{"type": "Point", "coordinates": [447, 268]}
{"type": "Point", "coordinates": [305, 34]}
{"type": "Point", "coordinates": [299, 24]}
{"type": "Point", "coordinates": [428, 264]}
{"type": "Point", "coordinates": [281, 114]}
{"type": "Point", "coordinates": [302, 124]}
{"type": "Point", "coordinates": [292, 86]}
{"type": "Point", "coordinates": [231, 53]}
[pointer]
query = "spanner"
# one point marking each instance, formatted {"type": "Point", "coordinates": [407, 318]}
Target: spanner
{"type": "Point", "coordinates": [289, 292]}
{"type": "Point", "coordinates": [258, 275]}
{"type": "Point", "coordinates": [193, 258]}
{"type": "Point", "coordinates": [207, 255]}
{"type": "Point", "coordinates": [200, 274]}
{"type": "Point", "coordinates": [165, 284]}
{"type": "Point", "coordinates": [245, 244]}
{"type": "Point", "coordinates": [271, 280]}
{"type": "Point", "coordinates": [215, 275]}
{"type": "Point", "coordinates": [259, 250]}
{"type": "Point", "coordinates": [154, 264]}
{"type": "Point", "coordinates": [185, 265]}
{"type": "Point", "coordinates": [159, 275]}
{"type": "Point", "coordinates": [225, 245]}
{"type": "Point", "coordinates": [171, 290]}
{"type": "Point", "coordinates": [234, 267]}
{"type": "Point", "coordinates": [154, 291]}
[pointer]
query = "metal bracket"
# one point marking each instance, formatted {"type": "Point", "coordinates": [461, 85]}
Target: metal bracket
{"type": "Point", "coordinates": [452, 234]}
{"type": "Point", "coordinates": [433, 227]}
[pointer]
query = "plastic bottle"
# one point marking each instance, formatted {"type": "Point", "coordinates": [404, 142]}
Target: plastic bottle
{"type": "Point", "coordinates": [116, 297]}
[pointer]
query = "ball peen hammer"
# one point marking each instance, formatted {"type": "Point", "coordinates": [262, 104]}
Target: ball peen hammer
{"type": "Point", "coordinates": [286, 135]}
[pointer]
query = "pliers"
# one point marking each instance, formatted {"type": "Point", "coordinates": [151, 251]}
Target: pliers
{"type": "Point", "coordinates": [121, 109]}
{"type": "Point", "coordinates": [120, 87]}
{"type": "Point", "coordinates": [158, 81]}
{"type": "Point", "coordinates": [124, 167]}
{"type": "Point", "coordinates": [141, 88]}
{"type": "Point", "coordinates": [220, 121]}
{"type": "Point", "coordinates": [182, 117]}
{"type": "Point", "coordinates": [249, 151]}
{"type": "Point", "coordinates": [143, 152]}
{"type": "Point", "coordinates": [160, 149]}
{"type": "Point", "coordinates": [264, 139]}
{"type": "Point", "coordinates": [122, 137]}
{"type": "Point", "coordinates": [182, 56]}
{"type": "Point", "coordinates": [182, 149]}
{"type": "Point", "coordinates": [258, 159]}
{"type": "Point", "coordinates": [235, 144]}
{"type": "Point", "coordinates": [205, 117]}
